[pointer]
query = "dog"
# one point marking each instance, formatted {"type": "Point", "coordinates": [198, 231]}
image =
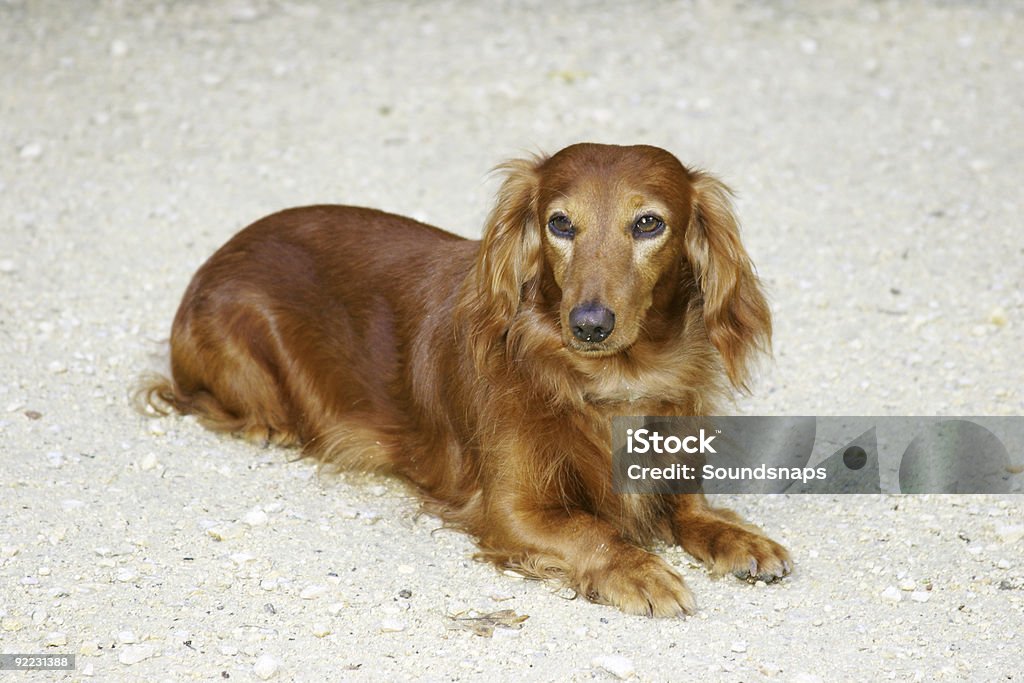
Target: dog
{"type": "Point", "coordinates": [610, 280]}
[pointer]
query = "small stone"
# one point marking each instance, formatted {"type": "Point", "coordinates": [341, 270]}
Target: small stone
{"type": "Point", "coordinates": [118, 48]}
{"type": "Point", "coordinates": [266, 667]}
{"type": "Point", "coordinates": [892, 594]}
{"type": "Point", "coordinates": [1003, 564]}
{"type": "Point", "coordinates": [241, 558]}
{"type": "Point", "coordinates": [32, 150]}
{"type": "Point", "coordinates": [127, 637]}
{"type": "Point", "coordinates": [133, 654]}
{"type": "Point", "coordinates": [228, 650]}
{"type": "Point", "coordinates": [335, 608]}
{"type": "Point", "coordinates": [148, 462]}
{"type": "Point", "coordinates": [920, 596]}
{"type": "Point", "coordinates": [55, 639]}
{"type": "Point", "coordinates": [225, 532]}
{"type": "Point", "coordinates": [57, 367]}
{"type": "Point", "coordinates": [907, 585]}
{"type": "Point", "coordinates": [10, 624]}
{"type": "Point", "coordinates": [617, 665]}
{"type": "Point", "coordinates": [406, 569]}
{"type": "Point", "coordinates": [43, 571]}
{"type": "Point", "coordinates": [88, 670]}
{"type": "Point", "coordinates": [89, 648]}
{"type": "Point", "coordinates": [392, 626]}
{"type": "Point", "coordinates": [255, 517]}
{"type": "Point", "coordinates": [39, 616]}
{"type": "Point", "coordinates": [126, 575]}
{"type": "Point", "coordinates": [738, 646]}
{"type": "Point", "coordinates": [1010, 533]}
{"type": "Point", "coordinates": [7, 266]}
{"type": "Point", "coordinates": [313, 592]}
{"type": "Point", "coordinates": [320, 629]}
{"type": "Point", "coordinates": [998, 317]}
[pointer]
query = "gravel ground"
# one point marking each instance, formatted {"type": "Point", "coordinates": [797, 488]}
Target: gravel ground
{"type": "Point", "coordinates": [877, 149]}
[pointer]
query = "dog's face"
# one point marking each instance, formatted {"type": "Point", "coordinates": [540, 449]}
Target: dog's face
{"type": "Point", "coordinates": [612, 229]}
{"type": "Point", "coordinates": [618, 244]}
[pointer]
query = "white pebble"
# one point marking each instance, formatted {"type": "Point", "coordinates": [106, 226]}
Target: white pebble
{"type": "Point", "coordinates": [57, 367]}
{"type": "Point", "coordinates": [148, 462]}
{"type": "Point", "coordinates": [335, 608]}
{"type": "Point", "coordinates": [89, 648]}
{"type": "Point", "coordinates": [126, 574]}
{"type": "Point", "coordinates": [617, 665]}
{"type": "Point", "coordinates": [118, 48]}
{"type": "Point", "coordinates": [312, 592]}
{"type": "Point", "coordinates": [320, 629]}
{"type": "Point", "coordinates": [127, 637]}
{"type": "Point", "coordinates": [241, 558]}
{"type": "Point", "coordinates": [7, 266]}
{"type": "Point", "coordinates": [892, 594]}
{"type": "Point", "coordinates": [738, 646]}
{"type": "Point", "coordinates": [907, 585]}
{"type": "Point", "coordinates": [228, 650]}
{"type": "Point", "coordinates": [266, 667]}
{"type": "Point", "coordinates": [133, 654]}
{"type": "Point", "coordinates": [1010, 533]}
{"type": "Point", "coordinates": [225, 532]}
{"type": "Point", "coordinates": [920, 596]}
{"type": "Point", "coordinates": [1003, 564]}
{"type": "Point", "coordinates": [56, 639]}
{"type": "Point", "coordinates": [392, 626]}
{"type": "Point", "coordinates": [45, 571]}
{"type": "Point", "coordinates": [88, 670]}
{"type": "Point", "coordinates": [255, 517]}
{"type": "Point", "coordinates": [32, 150]}
{"type": "Point", "coordinates": [406, 569]}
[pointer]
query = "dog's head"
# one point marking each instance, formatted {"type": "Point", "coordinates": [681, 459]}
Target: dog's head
{"type": "Point", "coordinates": [618, 243]}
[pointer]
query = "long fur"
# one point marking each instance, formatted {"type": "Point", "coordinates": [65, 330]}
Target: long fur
{"type": "Point", "coordinates": [374, 342]}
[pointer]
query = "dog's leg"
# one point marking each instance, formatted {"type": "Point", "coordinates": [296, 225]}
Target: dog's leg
{"type": "Point", "coordinates": [590, 555]}
{"type": "Point", "coordinates": [723, 541]}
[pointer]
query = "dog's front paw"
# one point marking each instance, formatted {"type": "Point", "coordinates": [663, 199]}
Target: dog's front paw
{"type": "Point", "coordinates": [638, 582]}
{"type": "Point", "coordinates": [728, 547]}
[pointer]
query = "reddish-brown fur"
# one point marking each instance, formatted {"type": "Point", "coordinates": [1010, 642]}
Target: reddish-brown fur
{"type": "Point", "coordinates": [379, 343]}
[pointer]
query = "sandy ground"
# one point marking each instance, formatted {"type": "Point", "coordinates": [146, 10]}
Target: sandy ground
{"type": "Point", "coordinates": [877, 149]}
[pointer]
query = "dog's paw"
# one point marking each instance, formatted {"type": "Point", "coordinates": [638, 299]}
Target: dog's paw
{"type": "Point", "coordinates": [748, 555]}
{"type": "Point", "coordinates": [640, 583]}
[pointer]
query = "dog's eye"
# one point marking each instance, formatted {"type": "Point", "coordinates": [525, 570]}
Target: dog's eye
{"type": "Point", "coordinates": [561, 226]}
{"type": "Point", "coordinates": [648, 226]}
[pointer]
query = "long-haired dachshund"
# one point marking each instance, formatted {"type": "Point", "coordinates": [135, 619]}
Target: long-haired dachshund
{"type": "Point", "coordinates": [609, 281]}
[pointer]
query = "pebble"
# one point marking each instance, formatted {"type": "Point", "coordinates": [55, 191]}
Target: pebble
{"type": "Point", "coordinates": [57, 367]}
{"type": "Point", "coordinates": [392, 626]}
{"type": "Point", "coordinates": [10, 624]}
{"type": "Point", "coordinates": [126, 574]}
{"type": "Point", "coordinates": [228, 650]}
{"type": "Point", "coordinates": [118, 48]}
{"type": "Point", "coordinates": [313, 592]}
{"type": "Point", "coordinates": [56, 639]}
{"type": "Point", "coordinates": [266, 667]}
{"type": "Point", "coordinates": [89, 648]}
{"type": "Point", "coordinates": [920, 596]}
{"type": "Point", "coordinates": [148, 462]}
{"type": "Point", "coordinates": [907, 585]}
{"type": "Point", "coordinates": [320, 629]}
{"type": "Point", "coordinates": [1010, 533]}
{"type": "Point", "coordinates": [127, 637]}
{"type": "Point", "coordinates": [225, 532]}
{"type": "Point", "coordinates": [892, 594]}
{"type": "Point", "coordinates": [7, 266]}
{"type": "Point", "coordinates": [133, 654]}
{"type": "Point", "coordinates": [1003, 564]}
{"type": "Point", "coordinates": [738, 646]}
{"type": "Point", "coordinates": [32, 150]}
{"type": "Point", "coordinates": [255, 517]}
{"type": "Point", "coordinates": [998, 316]}
{"type": "Point", "coordinates": [335, 608]}
{"type": "Point", "coordinates": [617, 665]}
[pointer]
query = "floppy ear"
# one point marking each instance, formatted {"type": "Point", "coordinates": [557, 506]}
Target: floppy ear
{"type": "Point", "coordinates": [736, 314]}
{"type": "Point", "coordinates": [509, 259]}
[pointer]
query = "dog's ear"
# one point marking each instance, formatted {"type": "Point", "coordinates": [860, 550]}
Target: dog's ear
{"type": "Point", "coordinates": [509, 260]}
{"type": "Point", "coordinates": [736, 314]}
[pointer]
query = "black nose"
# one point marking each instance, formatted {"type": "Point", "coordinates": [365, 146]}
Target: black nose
{"type": "Point", "coordinates": [591, 322]}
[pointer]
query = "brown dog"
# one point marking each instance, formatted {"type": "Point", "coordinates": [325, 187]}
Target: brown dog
{"type": "Point", "coordinates": [609, 281]}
